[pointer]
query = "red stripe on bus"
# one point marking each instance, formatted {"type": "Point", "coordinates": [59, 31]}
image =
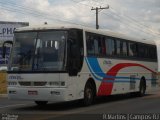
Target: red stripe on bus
{"type": "Point", "coordinates": [106, 87]}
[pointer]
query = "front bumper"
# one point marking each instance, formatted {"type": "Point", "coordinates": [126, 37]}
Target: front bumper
{"type": "Point", "coordinates": [43, 94]}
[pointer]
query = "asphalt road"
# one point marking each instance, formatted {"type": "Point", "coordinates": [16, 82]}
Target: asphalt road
{"type": "Point", "coordinates": [119, 106]}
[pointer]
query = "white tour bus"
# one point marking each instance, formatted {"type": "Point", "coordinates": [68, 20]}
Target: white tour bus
{"type": "Point", "coordinates": [59, 64]}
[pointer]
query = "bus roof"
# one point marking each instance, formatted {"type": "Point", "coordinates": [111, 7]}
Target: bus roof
{"type": "Point", "coordinates": [92, 30]}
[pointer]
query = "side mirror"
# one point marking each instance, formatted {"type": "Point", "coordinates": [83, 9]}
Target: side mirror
{"type": "Point", "coordinates": [4, 47]}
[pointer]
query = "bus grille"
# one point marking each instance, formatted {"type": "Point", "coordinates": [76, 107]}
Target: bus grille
{"type": "Point", "coordinates": [32, 83]}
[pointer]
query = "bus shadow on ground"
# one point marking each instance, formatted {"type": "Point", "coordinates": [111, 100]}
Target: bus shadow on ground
{"type": "Point", "coordinates": [119, 97]}
{"type": "Point", "coordinates": [79, 104]}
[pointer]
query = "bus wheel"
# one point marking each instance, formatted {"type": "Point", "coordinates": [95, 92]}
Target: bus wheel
{"type": "Point", "coordinates": [88, 94]}
{"type": "Point", "coordinates": [142, 88]}
{"type": "Point", "coordinates": [41, 103]}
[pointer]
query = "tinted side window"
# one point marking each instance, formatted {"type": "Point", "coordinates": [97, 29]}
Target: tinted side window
{"type": "Point", "coordinates": [90, 44]}
{"type": "Point", "coordinates": [110, 46]}
{"type": "Point", "coordinates": [118, 43]}
{"type": "Point", "coordinates": [103, 45]}
{"type": "Point", "coordinates": [95, 45]}
{"type": "Point", "coordinates": [100, 45]}
{"type": "Point", "coordinates": [147, 51]}
{"type": "Point", "coordinates": [122, 48]}
{"type": "Point", "coordinates": [132, 49]}
{"type": "Point", "coordinates": [153, 52]}
{"type": "Point", "coordinates": [142, 51]}
{"type": "Point", "coordinates": [125, 48]}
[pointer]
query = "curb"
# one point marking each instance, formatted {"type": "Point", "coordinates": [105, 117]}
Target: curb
{"type": "Point", "coordinates": [4, 95]}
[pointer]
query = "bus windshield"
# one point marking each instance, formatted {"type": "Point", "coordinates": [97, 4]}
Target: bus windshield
{"type": "Point", "coordinates": [39, 51]}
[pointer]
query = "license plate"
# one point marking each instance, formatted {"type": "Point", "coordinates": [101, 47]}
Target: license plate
{"type": "Point", "coordinates": [32, 93]}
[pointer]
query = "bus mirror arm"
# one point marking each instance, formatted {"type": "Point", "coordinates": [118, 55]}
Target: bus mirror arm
{"type": "Point", "coordinates": [4, 47]}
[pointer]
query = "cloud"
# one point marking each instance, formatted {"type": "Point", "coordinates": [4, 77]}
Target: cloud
{"type": "Point", "coordinates": [6, 15]}
{"type": "Point", "coordinates": [43, 10]}
{"type": "Point", "coordinates": [37, 5]}
{"type": "Point", "coordinates": [126, 16]}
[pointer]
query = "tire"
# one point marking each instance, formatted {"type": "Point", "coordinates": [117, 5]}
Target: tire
{"type": "Point", "coordinates": [142, 88]}
{"type": "Point", "coordinates": [41, 103]}
{"type": "Point", "coordinates": [89, 94]}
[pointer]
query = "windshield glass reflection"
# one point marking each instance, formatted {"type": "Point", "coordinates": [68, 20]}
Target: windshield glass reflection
{"type": "Point", "coordinates": [43, 51]}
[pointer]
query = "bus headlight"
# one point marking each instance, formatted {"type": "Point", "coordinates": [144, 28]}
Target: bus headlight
{"type": "Point", "coordinates": [57, 83]}
{"type": "Point", "coordinates": [12, 83]}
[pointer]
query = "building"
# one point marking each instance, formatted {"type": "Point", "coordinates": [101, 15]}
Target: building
{"type": "Point", "coordinates": [7, 34]}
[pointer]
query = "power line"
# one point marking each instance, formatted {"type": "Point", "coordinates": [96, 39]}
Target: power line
{"type": "Point", "coordinates": [12, 7]}
{"type": "Point", "coordinates": [136, 26]}
{"type": "Point", "coordinates": [21, 9]}
{"type": "Point", "coordinates": [133, 26]}
{"type": "Point", "coordinates": [137, 23]}
{"type": "Point", "coordinates": [129, 18]}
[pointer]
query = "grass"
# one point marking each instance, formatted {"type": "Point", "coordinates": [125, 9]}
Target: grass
{"type": "Point", "coordinates": [3, 83]}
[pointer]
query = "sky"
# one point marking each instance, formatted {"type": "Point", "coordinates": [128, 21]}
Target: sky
{"type": "Point", "coordinates": [135, 18]}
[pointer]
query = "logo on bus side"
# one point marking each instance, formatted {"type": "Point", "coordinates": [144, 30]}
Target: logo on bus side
{"type": "Point", "coordinates": [107, 62]}
{"type": "Point", "coordinates": [15, 77]}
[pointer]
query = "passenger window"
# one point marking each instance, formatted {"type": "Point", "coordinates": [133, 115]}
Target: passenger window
{"type": "Point", "coordinates": [118, 47]}
{"type": "Point", "coordinates": [123, 48]}
{"type": "Point", "coordinates": [124, 44]}
{"type": "Point", "coordinates": [90, 45]}
{"type": "Point", "coordinates": [103, 47]}
{"type": "Point", "coordinates": [110, 46]}
{"type": "Point", "coordinates": [100, 45]}
{"type": "Point", "coordinates": [95, 46]}
{"type": "Point", "coordinates": [132, 49]}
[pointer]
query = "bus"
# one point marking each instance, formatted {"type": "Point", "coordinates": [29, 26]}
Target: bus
{"type": "Point", "coordinates": [66, 63]}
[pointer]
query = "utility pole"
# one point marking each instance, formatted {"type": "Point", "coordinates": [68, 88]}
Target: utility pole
{"type": "Point", "coordinates": [97, 10]}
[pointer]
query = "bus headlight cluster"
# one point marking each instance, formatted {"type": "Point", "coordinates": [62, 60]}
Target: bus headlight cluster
{"type": "Point", "coordinates": [12, 83]}
{"type": "Point", "coordinates": [57, 83]}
